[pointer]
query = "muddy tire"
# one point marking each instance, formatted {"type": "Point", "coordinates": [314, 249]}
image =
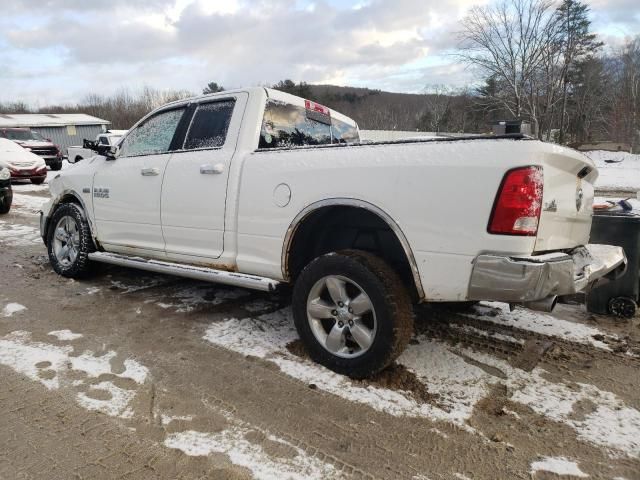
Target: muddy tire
{"type": "Point", "coordinates": [69, 241]}
{"type": "Point", "coordinates": [352, 312]}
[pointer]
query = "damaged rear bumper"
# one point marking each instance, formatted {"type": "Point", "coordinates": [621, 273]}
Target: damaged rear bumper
{"type": "Point", "coordinates": [518, 279]}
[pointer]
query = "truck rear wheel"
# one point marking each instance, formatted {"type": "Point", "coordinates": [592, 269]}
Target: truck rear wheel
{"type": "Point", "coordinates": [352, 312]}
{"type": "Point", "coordinates": [69, 241]}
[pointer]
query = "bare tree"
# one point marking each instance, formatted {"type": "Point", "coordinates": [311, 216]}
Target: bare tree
{"type": "Point", "coordinates": [510, 41]}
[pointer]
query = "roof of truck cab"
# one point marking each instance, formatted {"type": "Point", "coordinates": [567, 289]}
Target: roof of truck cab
{"type": "Point", "coordinates": [270, 93]}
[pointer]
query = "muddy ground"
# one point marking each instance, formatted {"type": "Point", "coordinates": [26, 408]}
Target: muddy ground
{"type": "Point", "coordinates": [130, 375]}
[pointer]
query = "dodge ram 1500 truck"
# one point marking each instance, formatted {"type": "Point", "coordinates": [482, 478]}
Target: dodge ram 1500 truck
{"type": "Point", "coordinates": [255, 188]}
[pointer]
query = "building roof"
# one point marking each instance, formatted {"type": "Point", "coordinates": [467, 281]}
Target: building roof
{"type": "Point", "coordinates": [48, 120]}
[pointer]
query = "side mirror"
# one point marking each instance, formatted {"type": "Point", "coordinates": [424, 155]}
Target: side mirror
{"type": "Point", "coordinates": [107, 151]}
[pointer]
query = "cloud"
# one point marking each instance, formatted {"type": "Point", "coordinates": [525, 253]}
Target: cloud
{"type": "Point", "coordinates": [78, 44]}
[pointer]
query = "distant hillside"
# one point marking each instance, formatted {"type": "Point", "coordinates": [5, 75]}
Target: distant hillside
{"type": "Point", "coordinates": [378, 110]}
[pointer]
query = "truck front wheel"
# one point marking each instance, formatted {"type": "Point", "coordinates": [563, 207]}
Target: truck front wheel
{"type": "Point", "coordinates": [352, 312]}
{"type": "Point", "coordinates": [69, 241]}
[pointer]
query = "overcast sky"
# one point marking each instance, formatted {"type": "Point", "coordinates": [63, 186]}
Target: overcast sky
{"type": "Point", "coordinates": [59, 50]}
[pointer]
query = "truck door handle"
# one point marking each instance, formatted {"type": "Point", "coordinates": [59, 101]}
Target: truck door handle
{"type": "Point", "coordinates": [208, 169]}
{"type": "Point", "coordinates": [149, 172]}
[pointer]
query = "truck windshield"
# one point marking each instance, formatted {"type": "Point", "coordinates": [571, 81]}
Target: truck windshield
{"type": "Point", "coordinates": [288, 125]}
{"type": "Point", "coordinates": [19, 135]}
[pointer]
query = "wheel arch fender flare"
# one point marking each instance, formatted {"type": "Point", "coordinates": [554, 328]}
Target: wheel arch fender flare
{"type": "Point", "coordinates": [350, 202]}
{"type": "Point", "coordinates": [69, 196]}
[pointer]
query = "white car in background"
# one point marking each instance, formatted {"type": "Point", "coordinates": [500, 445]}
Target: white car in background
{"type": "Point", "coordinates": [22, 164]}
{"type": "Point", "coordinates": [110, 138]}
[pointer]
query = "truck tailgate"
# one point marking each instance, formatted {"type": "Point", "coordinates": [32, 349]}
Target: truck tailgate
{"type": "Point", "coordinates": [565, 220]}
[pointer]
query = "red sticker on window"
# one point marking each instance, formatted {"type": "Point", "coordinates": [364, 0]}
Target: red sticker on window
{"type": "Point", "coordinates": [316, 107]}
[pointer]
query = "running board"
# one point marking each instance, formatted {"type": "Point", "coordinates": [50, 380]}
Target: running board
{"type": "Point", "coordinates": [188, 271]}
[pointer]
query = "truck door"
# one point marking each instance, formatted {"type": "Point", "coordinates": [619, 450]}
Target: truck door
{"type": "Point", "coordinates": [126, 191]}
{"type": "Point", "coordinates": [195, 183]}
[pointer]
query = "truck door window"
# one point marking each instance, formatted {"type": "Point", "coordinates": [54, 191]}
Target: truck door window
{"type": "Point", "coordinates": [104, 141]}
{"type": "Point", "coordinates": [210, 125]}
{"type": "Point", "coordinates": [287, 125]}
{"type": "Point", "coordinates": [153, 136]}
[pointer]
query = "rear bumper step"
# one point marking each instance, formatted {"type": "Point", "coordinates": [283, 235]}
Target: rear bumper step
{"type": "Point", "coordinates": [188, 271]}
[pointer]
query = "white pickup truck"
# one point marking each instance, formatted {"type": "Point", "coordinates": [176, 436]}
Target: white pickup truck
{"type": "Point", "coordinates": [76, 153]}
{"type": "Point", "coordinates": [257, 188]}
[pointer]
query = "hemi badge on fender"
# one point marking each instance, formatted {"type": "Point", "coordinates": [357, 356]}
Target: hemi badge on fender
{"type": "Point", "coordinates": [86, 190]}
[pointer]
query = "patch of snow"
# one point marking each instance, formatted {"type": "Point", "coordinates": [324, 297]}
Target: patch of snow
{"type": "Point", "coordinates": [559, 466]}
{"type": "Point", "coordinates": [94, 366]}
{"type": "Point", "coordinates": [65, 335]}
{"type": "Point", "coordinates": [92, 290]}
{"type": "Point", "coordinates": [187, 299]}
{"type": "Point", "coordinates": [18, 352]}
{"type": "Point", "coordinates": [11, 308]}
{"type": "Point", "coordinates": [29, 187]}
{"type": "Point", "coordinates": [540, 323]}
{"type": "Point", "coordinates": [461, 476]}
{"type": "Point", "coordinates": [167, 419]}
{"type": "Point", "coordinates": [142, 283]}
{"type": "Point", "coordinates": [27, 357]}
{"type": "Point", "coordinates": [116, 406]}
{"type": "Point", "coordinates": [28, 204]}
{"type": "Point", "coordinates": [233, 443]}
{"type": "Point", "coordinates": [18, 235]}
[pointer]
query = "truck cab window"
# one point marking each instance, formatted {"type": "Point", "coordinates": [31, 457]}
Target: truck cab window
{"type": "Point", "coordinates": [287, 125]}
{"type": "Point", "coordinates": [210, 125]}
{"type": "Point", "coordinates": [153, 136]}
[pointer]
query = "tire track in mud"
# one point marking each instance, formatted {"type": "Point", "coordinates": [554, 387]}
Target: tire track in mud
{"type": "Point", "coordinates": [493, 337]}
{"type": "Point", "coordinates": [563, 359]}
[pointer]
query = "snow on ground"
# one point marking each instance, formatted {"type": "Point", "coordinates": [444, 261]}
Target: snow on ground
{"type": "Point", "coordinates": [266, 337]}
{"type": "Point", "coordinates": [27, 204]}
{"type": "Point", "coordinates": [10, 308]}
{"type": "Point", "coordinates": [242, 452]}
{"type": "Point", "coordinates": [18, 235]}
{"type": "Point", "coordinates": [65, 335]}
{"type": "Point", "coordinates": [56, 367]}
{"type": "Point", "coordinates": [542, 323]}
{"type": "Point", "coordinates": [557, 465]}
{"type": "Point", "coordinates": [53, 365]}
{"type": "Point", "coordinates": [611, 424]}
{"type": "Point", "coordinates": [185, 300]}
{"type": "Point", "coordinates": [621, 176]}
{"type": "Point", "coordinates": [455, 375]}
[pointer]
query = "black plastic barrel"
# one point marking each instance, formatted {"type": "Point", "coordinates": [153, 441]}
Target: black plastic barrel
{"type": "Point", "coordinates": [618, 297]}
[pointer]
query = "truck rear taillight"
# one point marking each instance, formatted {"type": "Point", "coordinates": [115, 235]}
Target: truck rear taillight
{"type": "Point", "coordinates": [516, 210]}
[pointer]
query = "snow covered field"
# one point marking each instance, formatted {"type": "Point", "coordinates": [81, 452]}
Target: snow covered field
{"type": "Point", "coordinates": [619, 171]}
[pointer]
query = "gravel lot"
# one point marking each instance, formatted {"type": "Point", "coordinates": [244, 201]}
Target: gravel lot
{"type": "Point", "coordinates": [131, 375]}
